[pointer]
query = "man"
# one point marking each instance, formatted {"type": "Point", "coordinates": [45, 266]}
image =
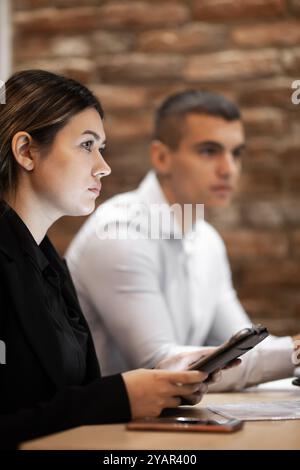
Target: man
{"type": "Point", "coordinates": [151, 297]}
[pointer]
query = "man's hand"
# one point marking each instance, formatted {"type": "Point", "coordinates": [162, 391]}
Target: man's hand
{"type": "Point", "coordinates": [296, 338]}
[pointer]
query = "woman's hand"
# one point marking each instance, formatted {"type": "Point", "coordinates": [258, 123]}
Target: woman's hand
{"type": "Point", "coordinates": [150, 391]}
{"type": "Point", "coordinates": [183, 360]}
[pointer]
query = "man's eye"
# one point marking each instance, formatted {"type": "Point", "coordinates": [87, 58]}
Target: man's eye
{"type": "Point", "coordinates": [87, 145]}
{"type": "Point", "coordinates": [238, 154]}
{"type": "Point", "coordinates": [209, 151]}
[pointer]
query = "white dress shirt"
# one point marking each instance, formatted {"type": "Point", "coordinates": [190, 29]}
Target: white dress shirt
{"type": "Point", "coordinates": [149, 299]}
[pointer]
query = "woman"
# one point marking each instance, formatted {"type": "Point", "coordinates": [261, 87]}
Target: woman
{"type": "Point", "coordinates": [51, 165]}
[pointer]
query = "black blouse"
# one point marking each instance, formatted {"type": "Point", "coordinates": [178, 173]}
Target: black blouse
{"type": "Point", "coordinates": [51, 380]}
{"type": "Point", "coordinates": [71, 333]}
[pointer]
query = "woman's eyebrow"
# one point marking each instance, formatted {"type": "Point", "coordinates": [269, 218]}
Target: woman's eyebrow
{"type": "Point", "coordinates": [94, 134]}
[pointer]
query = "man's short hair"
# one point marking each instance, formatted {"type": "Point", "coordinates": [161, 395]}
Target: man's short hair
{"type": "Point", "coordinates": [168, 126]}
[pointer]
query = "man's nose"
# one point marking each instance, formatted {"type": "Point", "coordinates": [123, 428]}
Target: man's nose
{"type": "Point", "coordinates": [227, 166]}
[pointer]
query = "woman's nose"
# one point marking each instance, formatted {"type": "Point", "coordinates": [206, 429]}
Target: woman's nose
{"type": "Point", "coordinates": [102, 168]}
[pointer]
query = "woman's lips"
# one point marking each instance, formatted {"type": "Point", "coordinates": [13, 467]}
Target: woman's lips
{"type": "Point", "coordinates": [96, 190]}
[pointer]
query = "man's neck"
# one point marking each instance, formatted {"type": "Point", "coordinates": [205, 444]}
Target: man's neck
{"type": "Point", "coordinates": [185, 220]}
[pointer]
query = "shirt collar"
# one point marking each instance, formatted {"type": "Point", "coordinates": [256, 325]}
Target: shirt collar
{"type": "Point", "coordinates": [151, 193]}
{"type": "Point", "coordinates": [43, 255]}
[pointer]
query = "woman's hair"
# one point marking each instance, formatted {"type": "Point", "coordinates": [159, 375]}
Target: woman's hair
{"type": "Point", "coordinates": [40, 103]}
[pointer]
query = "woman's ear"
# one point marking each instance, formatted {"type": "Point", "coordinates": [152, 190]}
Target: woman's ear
{"type": "Point", "coordinates": [22, 149]}
{"type": "Point", "coordinates": [161, 158]}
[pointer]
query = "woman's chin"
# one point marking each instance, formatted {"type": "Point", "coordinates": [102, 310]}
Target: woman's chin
{"type": "Point", "coordinates": [82, 210]}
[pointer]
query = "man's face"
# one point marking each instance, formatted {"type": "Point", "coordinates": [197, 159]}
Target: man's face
{"type": "Point", "coordinates": [205, 167]}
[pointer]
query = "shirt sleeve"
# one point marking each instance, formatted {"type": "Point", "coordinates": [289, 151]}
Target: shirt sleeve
{"type": "Point", "coordinates": [270, 360]}
{"type": "Point", "coordinates": [121, 280]}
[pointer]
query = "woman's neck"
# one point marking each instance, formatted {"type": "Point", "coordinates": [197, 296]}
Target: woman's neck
{"type": "Point", "coordinates": [33, 213]}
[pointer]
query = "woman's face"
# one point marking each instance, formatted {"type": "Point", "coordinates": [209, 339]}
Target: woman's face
{"type": "Point", "coordinates": [67, 179]}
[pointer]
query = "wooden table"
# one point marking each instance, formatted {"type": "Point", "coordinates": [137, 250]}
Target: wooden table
{"type": "Point", "coordinates": [254, 435]}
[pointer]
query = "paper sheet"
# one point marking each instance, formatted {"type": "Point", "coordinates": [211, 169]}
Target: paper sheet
{"type": "Point", "coordinates": [275, 410]}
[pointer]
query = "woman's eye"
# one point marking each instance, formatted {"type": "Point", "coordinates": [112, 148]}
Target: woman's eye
{"type": "Point", "coordinates": [87, 145]}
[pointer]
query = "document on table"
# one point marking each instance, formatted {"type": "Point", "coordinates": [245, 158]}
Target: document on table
{"type": "Point", "coordinates": [275, 410]}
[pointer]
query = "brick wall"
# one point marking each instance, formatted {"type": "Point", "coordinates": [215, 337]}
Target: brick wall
{"type": "Point", "coordinates": [133, 53]}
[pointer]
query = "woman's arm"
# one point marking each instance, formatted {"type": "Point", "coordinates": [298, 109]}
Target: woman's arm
{"type": "Point", "coordinates": [102, 401]}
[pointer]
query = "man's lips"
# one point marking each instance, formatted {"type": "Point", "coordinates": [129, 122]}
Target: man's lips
{"type": "Point", "coordinates": [222, 188]}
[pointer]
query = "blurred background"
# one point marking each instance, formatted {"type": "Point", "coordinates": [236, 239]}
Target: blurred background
{"type": "Point", "coordinates": [133, 54]}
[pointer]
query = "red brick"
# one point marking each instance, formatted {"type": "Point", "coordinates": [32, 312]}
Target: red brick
{"type": "Point", "coordinates": [262, 151]}
{"type": "Point", "coordinates": [223, 219]}
{"type": "Point", "coordinates": [242, 243]}
{"type": "Point", "coordinates": [232, 64]}
{"type": "Point", "coordinates": [262, 307]}
{"type": "Point", "coordinates": [116, 97]}
{"type": "Point", "coordinates": [77, 46]}
{"type": "Point", "coordinates": [31, 4]}
{"type": "Point", "coordinates": [30, 47]}
{"type": "Point", "coordinates": [139, 67]}
{"type": "Point", "coordinates": [221, 10]}
{"type": "Point", "coordinates": [282, 325]}
{"type": "Point", "coordinates": [295, 242]}
{"type": "Point", "coordinates": [295, 6]}
{"type": "Point", "coordinates": [264, 121]}
{"type": "Point", "coordinates": [140, 14]}
{"type": "Point", "coordinates": [77, 68]}
{"type": "Point", "coordinates": [290, 208]}
{"type": "Point", "coordinates": [134, 96]}
{"type": "Point", "coordinates": [262, 145]}
{"type": "Point", "coordinates": [259, 183]}
{"type": "Point", "coordinates": [131, 127]}
{"type": "Point", "coordinates": [52, 20]}
{"type": "Point", "coordinates": [280, 33]}
{"type": "Point", "coordinates": [267, 92]}
{"type": "Point", "coordinates": [111, 42]}
{"type": "Point", "coordinates": [293, 181]}
{"type": "Point", "coordinates": [111, 15]}
{"type": "Point", "coordinates": [291, 61]}
{"type": "Point", "coordinates": [273, 273]}
{"type": "Point", "coordinates": [263, 214]}
{"type": "Point", "coordinates": [290, 157]}
{"type": "Point", "coordinates": [192, 37]}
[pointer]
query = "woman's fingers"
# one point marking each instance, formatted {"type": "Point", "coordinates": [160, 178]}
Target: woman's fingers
{"type": "Point", "coordinates": [172, 402]}
{"type": "Point", "coordinates": [182, 390]}
{"type": "Point", "coordinates": [187, 377]}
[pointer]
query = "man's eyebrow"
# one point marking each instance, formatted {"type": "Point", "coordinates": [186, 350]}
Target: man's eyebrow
{"type": "Point", "coordinates": [216, 144]}
{"type": "Point", "coordinates": [209, 142]}
{"type": "Point", "coordinates": [240, 147]}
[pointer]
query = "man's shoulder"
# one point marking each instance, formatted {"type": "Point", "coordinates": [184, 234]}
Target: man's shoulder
{"type": "Point", "coordinates": [118, 225]}
{"type": "Point", "coordinates": [210, 235]}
